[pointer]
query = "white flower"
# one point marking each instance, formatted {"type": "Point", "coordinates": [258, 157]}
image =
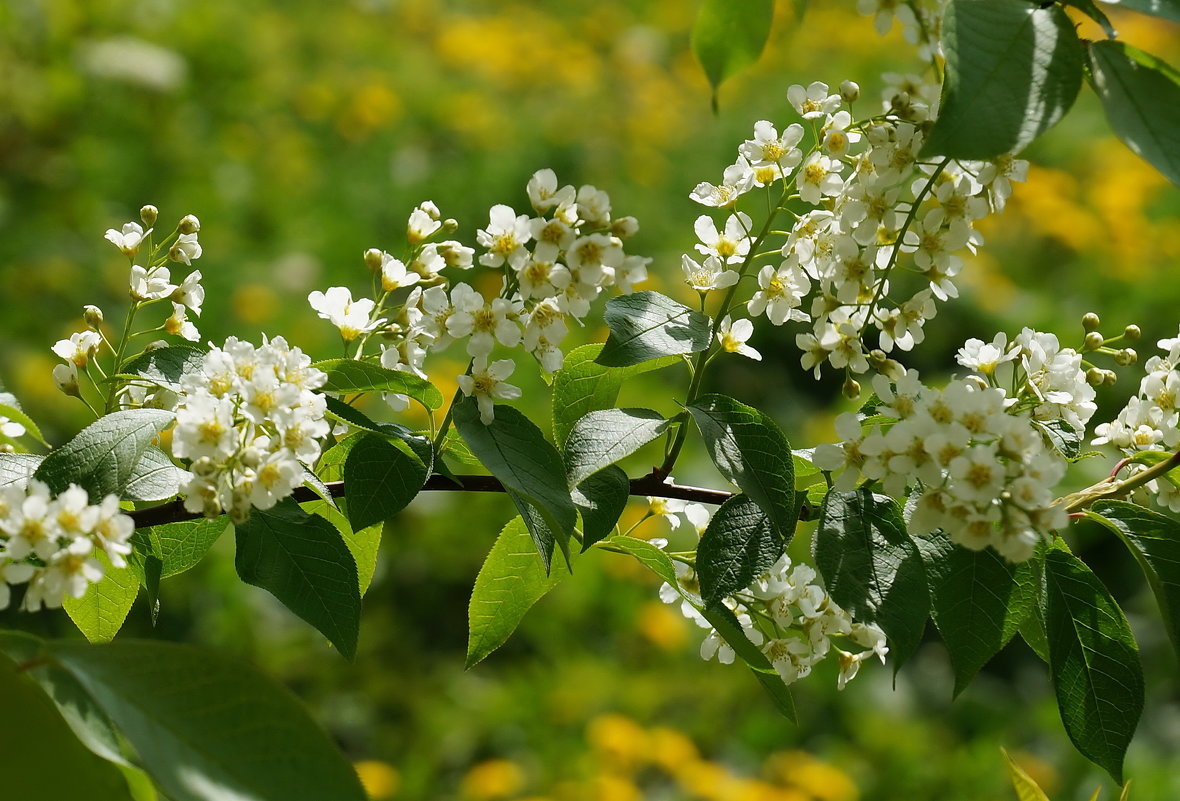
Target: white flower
{"type": "Point", "coordinates": [814, 101]}
{"type": "Point", "coordinates": [204, 428]}
{"type": "Point", "coordinates": [733, 337]}
{"type": "Point", "coordinates": [185, 249]}
{"type": "Point", "coordinates": [767, 147]}
{"type": "Point", "coordinates": [835, 135]}
{"type": "Point", "coordinates": [732, 246]}
{"type": "Point", "coordinates": [707, 276]}
{"type": "Point", "coordinates": [394, 275]}
{"type": "Point", "coordinates": [79, 348]}
{"type": "Point", "coordinates": [544, 194]}
{"type": "Point", "coordinates": [504, 237]}
{"type": "Point", "coordinates": [486, 323]}
{"type": "Point", "coordinates": [129, 239]}
{"type": "Point", "coordinates": [819, 177]}
{"type": "Point", "coordinates": [190, 292]}
{"type": "Point", "coordinates": [65, 376]}
{"type": "Point", "coordinates": [486, 384]}
{"type": "Point", "coordinates": [178, 324]}
{"type": "Point", "coordinates": [423, 223]}
{"type": "Point", "coordinates": [152, 285]}
{"type": "Point", "coordinates": [735, 182]}
{"type": "Point", "coordinates": [338, 307]}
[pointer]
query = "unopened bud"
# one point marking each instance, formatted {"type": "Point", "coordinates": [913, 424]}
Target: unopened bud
{"type": "Point", "coordinates": [1111, 378]}
{"type": "Point", "coordinates": [1090, 321]}
{"type": "Point", "coordinates": [66, 378]}
{"type": "Point", "coordinates": [149, 214]}
{"type": "Point", "coordinates": [849, 91]}
{"type": "Point", "coordinates": [1093, 341]}
{"type": "Point", "coordinates": [1132, 332]}
{"type": "Point", "coordinates": [851, 389]}
{"type": "Point", "coordinates": [1126, 356]}
{"type": "Point", "coordinates": [189, 224]}
{"type": "Point", "coordinates": [204, 467]}
{"type": "Point", "coordinates": [1095, 377]}
{"type": "Point", "coordinates": [431, 209]}
{"type": "Point", "coordinates": [374, 259]}
{"type": "Point", "coordinates": [450, 225]}
{"type": "Point", "coordinates": [624, 227]}
{"type": "Point", "coordinates": [93, 316]}
{"type": "Point", "coordinates": [876, 357]}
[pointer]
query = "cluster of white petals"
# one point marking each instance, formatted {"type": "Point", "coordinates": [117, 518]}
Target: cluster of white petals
{"type": "Point", "coordinates": [248, 422]}
{"type": "Point", "coordinates": [49, 543]}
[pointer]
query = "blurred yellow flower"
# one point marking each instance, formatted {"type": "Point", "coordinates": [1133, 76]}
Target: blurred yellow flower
{"type": "Point", "coordinates": [380, 779]}
{"type": "Point", "coordinates": [812, 776]}
{"type": "Point", "coordinates": [619, 741]}
{"type": "Point", "coordinates": [659, 624]}
{"type": "Point", "coordinates": [614, 788]}
{"type": "Point", "coordinates": [254, 303]}
{"type": "Point", "coordinates": [495, 778]}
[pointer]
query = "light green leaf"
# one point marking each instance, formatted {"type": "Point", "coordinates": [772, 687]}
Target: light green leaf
{"type": "Point", "coordinates": [509, 583]}
{"type": "Point", "coordinates": [600, 499]}
{"type": "Point", "coordinates": [583, 385]}
{"type": "Point", "coordinates": [303, 561]}
{"type": "Point", "coordinates": [750, 450]}
{"type": "Point", "coordinates": [647, 325]}
{"type": "Point", "coordinates": [155, 477]}
{"type": "Point", "coordinates": [978, 601]}
{"type": "Point", "coordinates": [1141, 97]}
{"type": "Point", "coordinates": [16, 415]}
{"type": "Point", "coordinates": [872, 568]}
{"type": "Point", "coordinates": [363, 545]}
{"type": "Point", "coordinates": [1012, 71]}
{"type": "Point", "coordinates": [179, 546]}
{"type": "Point", "coordinates": [727, 628]}
{"type": "Point", "coordinates": [516, 452]}
{"type": "Point", "coordinates": [651, 557]}
{"type": "Point", "coordinates": [738, 546]}
{"type": "Point", "coordinates": [102, 457]}
{"type": "Point", "coordinates": [348, 375]}
{"type": "Point", "coordinates": [1168, 9]}
{"type": "Point", "coordinates": [728, 37]}
{"type": "Point", "coordinates": [1026, 788]}
{"type": "Point", "coordinates": [100, 612]}
{"type": "Point", "coordinates": [1154, 540]}
{"type": "Point", "coordinates": [18, 468]}
{"type": "Point", "coordinates": [1094, 662]}
{"type": "Point", "coordinates": [381, 479]}
{"type": "Point", "coordinates": [165, 366]}
{"type": "Point", "coordinates": [604, 437]}
{"type": "Point", "coordinates": [208, 728]}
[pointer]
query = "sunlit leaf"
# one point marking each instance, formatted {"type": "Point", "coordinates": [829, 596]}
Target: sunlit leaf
{"type": "Point", "coordinates": [100, 612]}
{"type": "Point", "coordinates": [348, 375]}
{"type": "Point", "coordinates": [739, 545]}
{"type": "Point", "coordinates": [647, 325]}
{"type": "Point", "coordinates": [102, 457]}
{"type": "Point", "coordinates": [728, 37]}
{"type": "Point", "coordinates": [604, 437]}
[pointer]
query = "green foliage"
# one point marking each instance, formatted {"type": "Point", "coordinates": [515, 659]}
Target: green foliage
{"type": "Point", "coordinates": [17, 415]}
{"type": "Point", "coordinates": [600, 500]}
{"type": "Point", "coordinates": [178, 546]}
{"type": "Point", "coordinates": [1012, 72]}
{"type": "Point", "coordinates": [728, 37]}
{"type": "Point", "coordinates": [100, 612]}
{"type": "Point", "coordinates": [647, 325]}
{"type": "Point", "coordinates": [1091, 10]}
{"type": "Point", "coordinates": [1094, 662]}
{"type": "Point", "coordinates": [303, 561]}
{"type": "Point", "coordinates": [750, 450]}
{"type": "Point", "coordinates": [648, 555]}
{"type": "Point", "coordinates": [1141, 97]}
{"type": "Point", "coordinates": [1167, 9]}
{"type": "Point", "coordinates": [382, 478]}
{"type": "Point", "coordinates": [348, 375]}
{"type": "Point", "coordinates": [164, 366]}
{"type": "Point", "coordinates": [509, 583]}
{"type": "Point", "coordinates": [604, 437]}
{"type": "Point", "coordinates": [872, 568]}
{"type": "Point", "coordinates": [155, 478]}
{"type": "Point", "coordinates": [738, 545]}
{"type": "Point", "coordinates": [103, 458]}
{"type": "Point", "coordinates": [1026, 788]}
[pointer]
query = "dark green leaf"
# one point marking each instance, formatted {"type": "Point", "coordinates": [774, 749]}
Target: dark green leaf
{"type": "Point", "coordinates": [1063, 437]}
{"type": "Point", "coordinates": [978, 601]}
{"type": "Point", "coordinates": [1154, 539]}
{"type": "Point", "coordinates": [100, 612]}
{"type": "Point", "coordinates": [164, 366]}
{"type": "Point", "coordinates": [604, 437]}
{"type": "Point", "coordinates": [18, 468]}
{"type": "Point", "coordinates": [543, 536]}
{"type": "Point", "coordinates": [737, 547]}
{"type": "Point", "coordinates": [600, 499]}
{"type": "Point", "coordinates": [1168, 9]}
{"type": "Point", "coordinates": [1141, 97]}
{"type": "Point", "coordinates": [348, 375]}
{"type": "Point", "coordinates": [727, 628]}
{"type": "Point", "coordinates": [102, 457]}
{"type": "Point", "coordinates": [341, 412]}
{"type": "Point", "coordinates": [872, 568]}
{"type": "Point", "coordinates": [651, 557]}
{"type": "Point", "coordinates": [178, 546]}
{"type": "Point", "coordinates": [208, 728]}
{"type": "Point", "coordinates": [1094, 662]}
{"type": "Point", "coordinates": [381, 479]}
{"type": "Point", "coordinates": [516, 452]}
{"type": "Point", "coordinates": [583, 385]}
{"type": "Point", "coordinates": [728, 37]}
{"type": "Point", "coordinates": [750, 450]}
{"type": "Point", "coordinates": [89, 723]}
{"type": "Point", "coordinates": [303, 561]}
{"type": "Point", "coordinates": [317, 485]}
{"type": "Point", "coordinates": [1012, 71]}
{"type": "Point", "coordinates": [647, 325]}
{"type": "Point", "coordinates": [509, 583]}
{"type": "Point", "coordinates": [363, 544]}
{"type": "Point", "coordinates": [155, 477]}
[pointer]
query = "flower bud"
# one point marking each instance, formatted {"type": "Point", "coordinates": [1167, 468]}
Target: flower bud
{"type": "Point", "coordinates": [1126, 356]}
{"type": "Point", "coordinates": [93, 316]}
{"type": "Point", "coordinates": [149, 214]}
{"type": "Point", "coordinates": [204, 467]}
{"type": "Point", "coordinates": [1111, 378]}
{"type": "Point", "coordinates": [66, 378]}
{"type": "Point", "coordinates": [189, 224]}
{"type": "Point", "coordinates": [851, 389]}
{"type": "Point", "coordinates": [1095, 377]}
{"type": "Point", "coordinates": [450, 225]}
{"type": "Point", "coordinates": [849, 91]}
{"type": "Point", "coordinates": [1090, 321]}
{"type": "Point", "coordinates": [1093, 341]}
{"type": "Point", "coordinates": [374, 259]}
{"type": "Point", "coordinates": [1132, 332]}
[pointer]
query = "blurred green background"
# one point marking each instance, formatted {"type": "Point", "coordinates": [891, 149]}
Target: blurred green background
{"type": "Point", "coordinates": [302, 133]}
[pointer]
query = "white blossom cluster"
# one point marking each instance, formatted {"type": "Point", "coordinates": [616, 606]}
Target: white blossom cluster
{"type": "Point", "coordinates": [554, 264]}
{"type": "Point", "coordinates": [49, 543]}
{"type": "Point", "coordinates": [882, 240]}
{"type": "Point", "coordinates": [1150, 422]}
{"type": "Point", "coordinates": [248, 421]}
{"type": "Point", "coordinates": [147, 285]}
{"type": "Point", "coordinates": [789, 615]}
{"type": "Point", "coordinates": [977, 471]}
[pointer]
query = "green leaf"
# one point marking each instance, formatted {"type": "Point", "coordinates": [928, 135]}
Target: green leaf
{"type": "Point", "coordinates": [651, 557]}
{"type": "Point", "coordinates": [341, 412]}
{"type": "Point", "coordinates": [583, 385]}
{"type": "Point", "coordinates": [348, 375]}
{"type": "Point", "coordinates": [978, 601]}
{"type": "Point", "coordinates": [208, 728]}
{"type": "Point", "coordinates": [1168, 9]}
{"type": "Point", "coordinates": [179, 546]}
{"type": "Point", "coordinates": [727, 628]}
{"type": "Point", "coordinates": [1141, 97]}
{"type": "Point", "coordinates": [516, 452]}
{"type": "Point", "coordinates": [303, 561]}
{"type": "Point", "coordinates": [600, 499]}
{"type": "Point", "coordinates": [738, 546]}
{"type": "Point", "coordinates": [604, 437]}
{"type": "Point", "coordinates": [509, 583]}
{"type": "Point", "coordinates": [89, 723]}
{"type": "Point", "coordinates": [872, 568]}
{"type": "Point", "coordinates": [102, 457]}
{"type": "Point", "coordinates": [363, 544]}
{"type": "Point", "coordinates": [750, 450]}
{"type": "Point", "coordinates": [100, 612]}
{"type": "Point", "coordinates": [1012, 71]}
{"type": "Point", "coordinates": [165, 366]}
{"type": "Point", "coordinates": [1063, 437]}
{"type": "Point", "coordinates": [543, 536]}
{"type": "Point", "coordinates": [1091, 10]}
{"type": "Point", "coordinates": [647, 325]}
{"type": "Point", "coordinates": [381, 479]}
{"type": "Point", "coordinates": [18, 468]}
{"type": "Point", "coordinates": [728, 37]}
{"type": "Point", "coordinates": [155, 477]}
{"type": "Point", "coordinates": [16, 415]}
{"type": "Point", "coordinates": [1094, 662]}
{"type": "Point", "coordinates": [45, 761]}
{"type": "Point", "coordinates": [1026, 788]}
{"type": "Point", "coordinates": [1154, 539]}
